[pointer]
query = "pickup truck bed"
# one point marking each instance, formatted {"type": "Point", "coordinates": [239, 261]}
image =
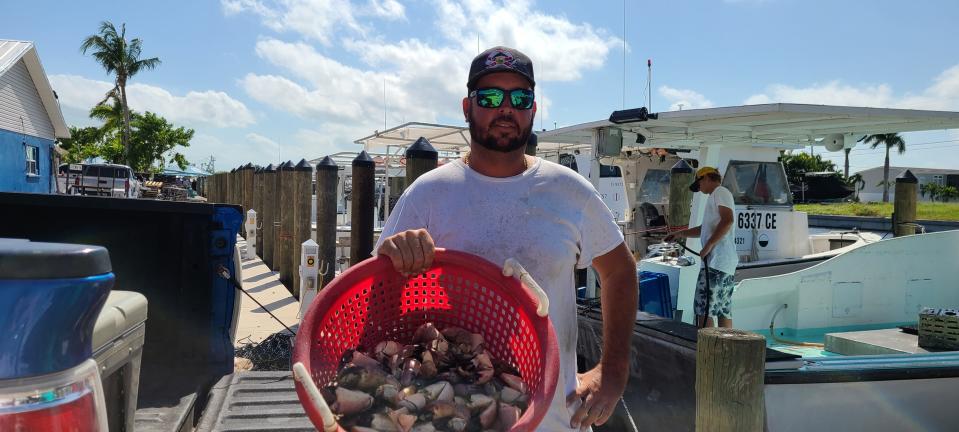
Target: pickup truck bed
{"type": "Point", "coordinates": [254, 401]}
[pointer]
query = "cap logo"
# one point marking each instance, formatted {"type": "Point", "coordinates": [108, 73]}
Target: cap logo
{"type": "Point", "coordinates": [499, 58]}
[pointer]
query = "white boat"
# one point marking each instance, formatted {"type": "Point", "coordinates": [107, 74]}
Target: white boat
{"type": "Point", "coordinates": [833, 301]}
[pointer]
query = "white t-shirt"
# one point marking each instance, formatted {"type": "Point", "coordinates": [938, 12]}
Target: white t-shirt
{"type": "Point", "coordinates": [549, 218]}
{"type": "Point", "coordinates": [723, 257]}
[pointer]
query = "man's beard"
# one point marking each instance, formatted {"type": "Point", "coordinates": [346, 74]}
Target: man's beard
{"type": "Point", "coordinates": [490, 142]}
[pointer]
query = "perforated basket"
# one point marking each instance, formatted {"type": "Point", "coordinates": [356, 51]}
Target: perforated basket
{"type": "Point", "coordinates": [371, 302]}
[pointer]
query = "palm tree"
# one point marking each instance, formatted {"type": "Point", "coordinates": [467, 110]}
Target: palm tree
{"type": "Point", "coordinates": [122, 59]}
{"type": "Point", "coordinates": [110, 114]}
{"type": "Point", "coordinates": [857, 182]}
{"type": "Point", "coordinates": [888, 140]}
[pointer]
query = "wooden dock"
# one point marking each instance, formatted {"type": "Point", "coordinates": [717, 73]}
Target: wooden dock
{"type": "Point", "coordinates": [253, 323]}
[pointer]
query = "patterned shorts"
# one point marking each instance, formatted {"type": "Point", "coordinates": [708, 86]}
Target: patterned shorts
{"type": "Point", "coordinates": [721, 290]}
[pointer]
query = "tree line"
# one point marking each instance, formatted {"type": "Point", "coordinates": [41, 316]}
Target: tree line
{"type": "Point", "coordinates": [797, 165]}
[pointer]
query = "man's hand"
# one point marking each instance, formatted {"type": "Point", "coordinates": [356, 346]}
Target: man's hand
{"type": "Point", "coordinates": [675, 236]}
{"type": "Point", "coordinates": [597, 395]}
{"type": "Point", "coordinates": [706, 250]}
{"type": "Point", "coordinates": [411, 251]}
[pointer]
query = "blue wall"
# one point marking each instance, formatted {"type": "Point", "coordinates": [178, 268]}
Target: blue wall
{"type": "Point", "coordinates": [13, 176]}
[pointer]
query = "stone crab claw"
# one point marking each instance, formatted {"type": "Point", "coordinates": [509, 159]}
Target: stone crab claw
{"type": "Point", "coordinates": [508, 416]}
{"type": "Point", "coordinates": [386, 350]}
{"type": "Point", "coordinates": [426, 334]}
{"type": "Point", "coordinates": [484, 368]}
{"type": "Point", "coordinates": [350, 402]}
{"type": "Point", "coordinates": [411, 370]}
{"type": "Point", "coordinates": [514, 381]}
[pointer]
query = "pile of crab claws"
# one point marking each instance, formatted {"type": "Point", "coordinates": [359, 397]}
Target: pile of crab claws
{"type": "Point", "coordinates": [445, 380]}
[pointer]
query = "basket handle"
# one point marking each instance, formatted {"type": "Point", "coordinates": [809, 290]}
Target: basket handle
{"type": "Point", "coordinates": [513, 267]}
{"type": "Point", "coordinates": [300, 374]}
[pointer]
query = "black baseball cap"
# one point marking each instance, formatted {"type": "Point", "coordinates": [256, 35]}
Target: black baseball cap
{"type": "Point", "coordinates": [500, 59]}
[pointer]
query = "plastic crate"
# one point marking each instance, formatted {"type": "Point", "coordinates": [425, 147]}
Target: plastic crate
{"type": "Point", "coordinates": [654, 294]}
{"type": "Point", "coordinates": [939, 328]}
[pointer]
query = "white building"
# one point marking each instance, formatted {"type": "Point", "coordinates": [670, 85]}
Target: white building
{"type": "Point", "coordinates": [872, 191]}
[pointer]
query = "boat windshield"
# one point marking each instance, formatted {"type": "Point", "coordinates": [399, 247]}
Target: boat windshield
{"type": "Point", "coordinates": [757, 183]}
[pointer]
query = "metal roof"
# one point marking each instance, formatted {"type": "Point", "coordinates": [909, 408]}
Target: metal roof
{"type": "Point", "coordinates": [12, 51]}
{"type": "Point", "coordinates": [442, 137]}
{"type": "Point", "coordinates": [770, 125]}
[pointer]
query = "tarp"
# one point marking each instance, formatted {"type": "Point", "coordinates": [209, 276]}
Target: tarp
{"type": "Point", "coordinates": [190, 171]}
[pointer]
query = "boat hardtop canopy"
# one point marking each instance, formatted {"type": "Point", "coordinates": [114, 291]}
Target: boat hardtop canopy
{"type": "Point", "coordinates": [780, 125]}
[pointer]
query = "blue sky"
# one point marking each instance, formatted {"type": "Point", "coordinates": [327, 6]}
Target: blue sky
{"type": "Point", "coordinates": [304, 78]}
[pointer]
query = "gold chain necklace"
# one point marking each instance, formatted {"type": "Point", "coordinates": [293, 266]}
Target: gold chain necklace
{"type": "Point", "coordinates": [466, 160]}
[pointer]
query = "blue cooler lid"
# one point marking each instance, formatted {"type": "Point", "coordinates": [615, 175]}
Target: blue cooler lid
{"type": "Point", "coordinates": [50, 297]}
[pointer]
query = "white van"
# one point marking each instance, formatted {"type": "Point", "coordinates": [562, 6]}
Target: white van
{"type": "Point", "coordinates": [111, 180]}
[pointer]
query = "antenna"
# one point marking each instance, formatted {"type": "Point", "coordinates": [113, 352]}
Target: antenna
{"type": "Point", "coordinates": [624, 54]}
{"type": "Point", "coordinates": [385, 107]}
{"type": "Point", "coordinates": [649, 84]}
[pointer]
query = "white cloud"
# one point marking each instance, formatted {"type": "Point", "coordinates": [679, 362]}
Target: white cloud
{"type": "Point", "coordinates": [208, 107]}
{"type": "Point", "coordinates": [387, 9]}
{"type": "Point", "coordinates": [330, 138]}
{"type": "Point", "coordinates": [943, 94]}
{"type": "Point", "coordinates": [831, 93]}
{"type": "Point", "coordinates": [684, 98]}
{"type": "Point", "coordinates": [425, 79]}
{"type": "Point", "coordinates": [315, 19]}
{"type": "Point", "coordinates": [261, 140]}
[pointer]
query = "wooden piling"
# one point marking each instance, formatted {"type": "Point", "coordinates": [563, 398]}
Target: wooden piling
{"type": "Point", "coordinates": [287, 196]}
{"type": "Point", "coordinates": [730, 369]}
{"type": "Point", "coordinates": [420, 158]}
{"type": "Point", "coordinates": [269, 214]}
{"type": "Point", "coordinates": [278, 210]}
{"type": "Point", "coordinates": [258, 207]}
{"type": "Point", "coordinates": [236, 186]}
{"type": "Point", "coordinates": [680, 197]}
{"type": "Point", "coordinates": [327, 175]}
{"type": "Point", "coordinates": [531, 144]}
{"type": "Point", "coordinates": [904, 206]}
{"type": "Point", "coordinates": [302, 225]}
{"type": "Point", "coordinates": [363, 204]}
{"type": "Point", "coordinates": [228, 187]}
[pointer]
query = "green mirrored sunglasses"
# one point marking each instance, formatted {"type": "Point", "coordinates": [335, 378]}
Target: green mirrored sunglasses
{"type": "Point", "coordinates": [491, 97]}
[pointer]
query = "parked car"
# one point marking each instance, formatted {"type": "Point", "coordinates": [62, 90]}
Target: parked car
{"type": "Point", "coordinates": [110, 180]}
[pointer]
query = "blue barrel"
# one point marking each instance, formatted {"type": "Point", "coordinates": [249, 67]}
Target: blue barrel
{"type": "Point", "coordinates": [654, 294]}
{"type": "Point", "coordinates": [50, 297]}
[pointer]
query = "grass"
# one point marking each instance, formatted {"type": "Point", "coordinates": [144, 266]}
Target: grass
{"type": "Point", "coordinates": [925, 210]}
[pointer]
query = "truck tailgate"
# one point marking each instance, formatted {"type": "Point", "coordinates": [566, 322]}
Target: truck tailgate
{"type": "Point", "coordinates": [254, 401]}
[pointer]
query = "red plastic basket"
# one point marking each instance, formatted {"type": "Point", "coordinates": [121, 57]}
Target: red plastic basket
{"type": "Point", "coordinates": [371, 302]}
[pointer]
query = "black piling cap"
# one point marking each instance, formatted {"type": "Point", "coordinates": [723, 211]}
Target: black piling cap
{"type": "Point", "coordinates": [422, 149]}
{"type": "Point", "coordinates": [533, 140]}
{"type": "Point", "coordinates": [363, 160]}
{"type": "Point", "coordinates": [681, 167]}
{"type": "Point", "coordinates": [287, 166]}
{"type": "Point", "coordinates": [327, 164]}
{"type": "Point", "coordinates": [269, 168]}
{"type": "Point", "coordinates": [303, 165]}
{"type": "Point", "coordinates": [907, 177]}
